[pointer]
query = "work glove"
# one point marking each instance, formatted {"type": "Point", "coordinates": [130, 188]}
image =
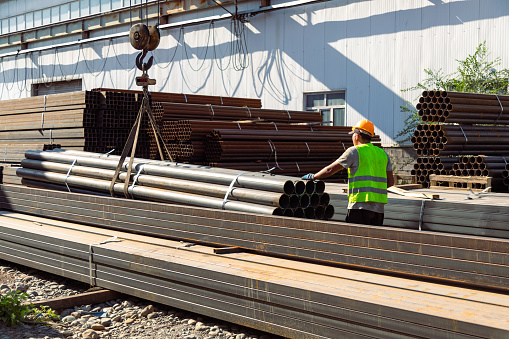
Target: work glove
{"type": "Point", "coordinates": [309, 176]}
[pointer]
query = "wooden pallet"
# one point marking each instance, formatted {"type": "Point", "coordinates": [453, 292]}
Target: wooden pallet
{"type": "Point", "coordinates": [453, 180]}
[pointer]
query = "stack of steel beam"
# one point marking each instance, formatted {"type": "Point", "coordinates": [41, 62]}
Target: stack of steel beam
{"type": "Point", "coordinates": [439, 256]}
{"type": "Point", "coordinates": [463, 108]}
{"type": "Point", "coordinates": [191, 98]}
{"type": "Point", "coordinates": [8, 174]}
{"type": "Point", "coordinates": [182, 183]}
{"type": "Point", "coordinates": [280, 296]}
{"type": "Point", "coordinates": [68, 119]}
{"type": "Point", "coordinates": [14, 153]}
{"type": "Point", "coordinates": [474, 218]}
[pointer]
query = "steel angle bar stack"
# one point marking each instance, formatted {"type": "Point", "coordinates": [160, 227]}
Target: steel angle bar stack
{"type": "Point", "coordinates": [472, 261]}
{"type": "Point", "coordinates": [265, 293]}
{"type": "Point", "coordinates": [478, 130]}
{"type": "Point", "coordinates": [475, 219]}
{"type": "Point", "coordinates": [182, 183]}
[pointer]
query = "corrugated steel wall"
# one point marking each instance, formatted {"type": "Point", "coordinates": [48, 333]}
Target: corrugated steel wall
{"type": "Point", "coordinates": [372, 49]}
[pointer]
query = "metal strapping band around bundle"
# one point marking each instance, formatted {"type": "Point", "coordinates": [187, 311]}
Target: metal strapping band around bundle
{"type": "Point", "coordinates": [69, 172]}
{"type": "Point", "coordinates": [249, 111]}
{"type": "Point", "coordinates": [466, 139]}
{"type": "Point", "coordinates": [185, 97]}
{"type": "Point", "coordinates": [275, 126]}
{"type": "Point", "coordinates": [344, 147]}
{"type": "Point", "coordinates": [212, 110]}
{"type": "Point", "coordinates": [90, 260]}
{"type": "Point", "coordinates": [274, 150]}
{"type": "Point", "coordinates": [421, 214]}
{"type": "Point", "coordinates": [221, 100]}
{"type": "Point", "coordinates": [135, 179]}
{"type": "Point", "coordinates": [298, 168]}
{"type": "Point", "coordinates": [501, 109]}
{"type": "Point", "coordinates": [309, 151]}
{"type": "Point", "coordinates": [289, 116]}
{"type": "Point", "coordinates": [239, 125]}
{"type": "Point", "coordinates": [44, 110]}
{"type": "Point", "coordinates": [230, 189]}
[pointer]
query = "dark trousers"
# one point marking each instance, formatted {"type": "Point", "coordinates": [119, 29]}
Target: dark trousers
{"type": "Point", "coordinates": [365, 217]}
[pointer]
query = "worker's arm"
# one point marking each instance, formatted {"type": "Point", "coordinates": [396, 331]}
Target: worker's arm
{"type": "Point", "coordinates": [390, 179]}
{"type": "Point", "coordinates": [328, 171]}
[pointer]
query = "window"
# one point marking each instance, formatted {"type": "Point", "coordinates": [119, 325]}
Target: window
{"type": "Point", "coordinates": [29, 20]}
{"type": "Point", "coordinates": [331, 105]}
{"type": "Point", "coordinates": [64, 12]}
{"type": "Point", "coordinates": [75, 10]}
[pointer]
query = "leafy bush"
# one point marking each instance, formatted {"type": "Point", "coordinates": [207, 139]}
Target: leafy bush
{"type": "Point", "coordinates": [12, 310]}
{"type": "Point", "coordinates": [475, 74]}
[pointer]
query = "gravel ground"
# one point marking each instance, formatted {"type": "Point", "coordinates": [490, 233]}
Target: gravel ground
{"type": "Point", "coordinates": [122, 318]}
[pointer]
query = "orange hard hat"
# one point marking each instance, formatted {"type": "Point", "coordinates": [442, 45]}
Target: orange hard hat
{"type": "Point", "coordinates": [365, 126]}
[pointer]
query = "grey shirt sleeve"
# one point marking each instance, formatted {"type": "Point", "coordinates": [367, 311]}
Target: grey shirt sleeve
{"type": "Point", "coordinates": [350, 159]}
{"type": "Point", "coordinates": [389, 164]}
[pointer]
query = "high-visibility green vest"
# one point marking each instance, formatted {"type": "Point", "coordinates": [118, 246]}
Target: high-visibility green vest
{"type": "Point", "coordinates": [369, 183]}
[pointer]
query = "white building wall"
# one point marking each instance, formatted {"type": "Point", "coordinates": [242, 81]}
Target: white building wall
{"type": "Point", "coordinates": [371, 49]}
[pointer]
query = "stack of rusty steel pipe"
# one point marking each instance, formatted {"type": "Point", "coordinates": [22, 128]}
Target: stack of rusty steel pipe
{"type": "Point", "coordinates": [191, 98]}
{"type": "Point", "coordinates": [456, 140]}
{"type": "Point", "coordinates": [195, 185]}
{"type": "Point", "coordinates": [200, 141]}
{"type": "Point", "coordinates": [425, 166]}
{"type": "Point", "coordinates": [312, 150]}
{"type": "Point", "coordinates": [461, 124]}
{"type": "Point", "coordinates": [463, 108]}
{"type": "Point", "coordinates": [180, 111]}
{"type": "Point", "coordinates": [487, 166]}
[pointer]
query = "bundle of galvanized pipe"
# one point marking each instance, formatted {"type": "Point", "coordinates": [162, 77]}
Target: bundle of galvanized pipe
{"type": "Point", "coordinates": [180, 111]}
{"type": "Point", "coordinates": [463, 108]}
{"type": "Point", "coordinates": [181, 183]}
{"type": "Point", "coordinates": [191, 98]}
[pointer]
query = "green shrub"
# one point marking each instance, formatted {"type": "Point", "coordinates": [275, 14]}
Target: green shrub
{"type": "Point", "coordinates": [12, 310]}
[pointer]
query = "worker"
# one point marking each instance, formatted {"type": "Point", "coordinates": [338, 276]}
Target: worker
{"type": "Point", "coordinates": [369, 176]}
